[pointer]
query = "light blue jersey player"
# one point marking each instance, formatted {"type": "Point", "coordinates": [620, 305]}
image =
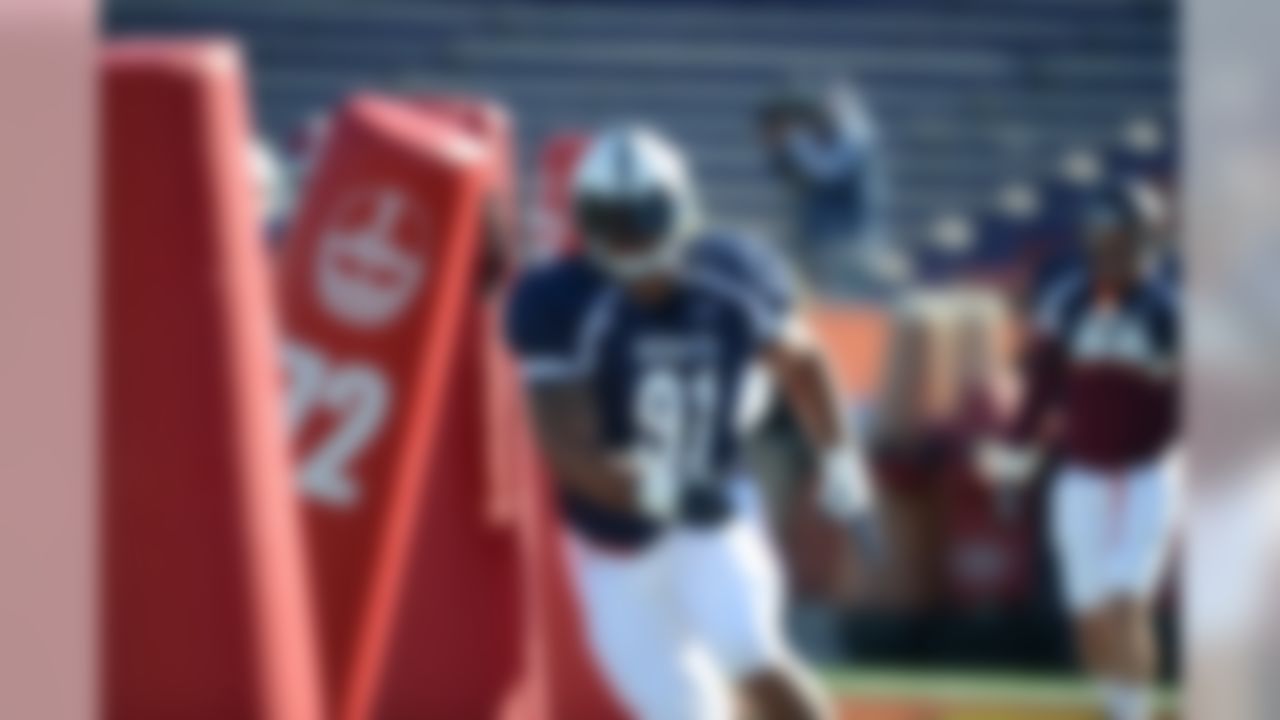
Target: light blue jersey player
{"type": "Point", "coordinates": [638, 356]}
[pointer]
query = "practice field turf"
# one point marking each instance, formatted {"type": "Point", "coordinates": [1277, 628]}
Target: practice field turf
{"type": "Point", "coordinates": [885, 694]}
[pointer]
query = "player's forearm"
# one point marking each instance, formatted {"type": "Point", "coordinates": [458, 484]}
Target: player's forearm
{"type": "Point", "coordinates": [603, 477]}
{"type": "Point", "coordinates": [809, 388]}
{"type": "Point", "coordinates": [569, 439]}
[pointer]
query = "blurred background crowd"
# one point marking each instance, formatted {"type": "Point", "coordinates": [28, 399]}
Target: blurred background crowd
{"type": "Point", "coordinates": [925, 166]}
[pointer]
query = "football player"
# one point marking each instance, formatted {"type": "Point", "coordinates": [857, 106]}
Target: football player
{"type": "Point", "coordinates": [1102, 387]}
{"type": "Point", "coordinates": [638, 355]}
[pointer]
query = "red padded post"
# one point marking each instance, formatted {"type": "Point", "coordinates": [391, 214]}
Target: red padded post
{"type": "Point", "coordinates": [377, 279]}
{"type": "Point", "coordinates": [206, 613]}
{"type": "Point", "coordinates": [457, 648]}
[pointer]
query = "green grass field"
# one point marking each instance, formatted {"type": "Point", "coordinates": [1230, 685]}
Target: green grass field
{"type": "Point", "coordinates": [892, 694]}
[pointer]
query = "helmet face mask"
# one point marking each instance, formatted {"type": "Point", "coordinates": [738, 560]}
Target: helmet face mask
{"type": "Point", "coordinates": [634, 205]}
{"type": "Point", "coordinates": [629, 238]}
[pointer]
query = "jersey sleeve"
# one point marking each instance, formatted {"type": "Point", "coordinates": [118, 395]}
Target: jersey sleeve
{"type": "Point", "coordinates": [757, 280]}
{"type": "Point", "coordinates": [542, 328]}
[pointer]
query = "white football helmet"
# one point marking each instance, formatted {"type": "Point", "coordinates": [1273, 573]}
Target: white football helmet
{"type": "Point", "coordinates": [634, 203]}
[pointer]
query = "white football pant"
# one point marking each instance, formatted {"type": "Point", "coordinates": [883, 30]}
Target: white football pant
{"type": "Point", "coordinates": [675, 624]}
{"type": "Point", "coordinates": [1112, 530]}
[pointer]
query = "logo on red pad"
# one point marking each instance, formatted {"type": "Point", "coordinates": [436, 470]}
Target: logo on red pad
{"type": "Point", "coordinates": [369, 264]}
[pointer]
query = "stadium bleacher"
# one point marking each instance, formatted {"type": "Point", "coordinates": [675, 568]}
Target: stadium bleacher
{"type": "Point", "coordinates": [969, 95]}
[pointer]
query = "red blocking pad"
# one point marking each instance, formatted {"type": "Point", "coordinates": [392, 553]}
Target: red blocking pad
{"type": "Point", "coordinates": [205, 613]}
{"type": "Point", "coordinates": [456, 643]}
{"type": "Point", "coordinates": [377, 278]}
{"type": "Point", "coordinates": [489, 123]}
{"type": "Point", "coordinates": [456, 648]}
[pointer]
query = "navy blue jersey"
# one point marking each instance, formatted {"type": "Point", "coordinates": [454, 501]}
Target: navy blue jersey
{"type": "Point", "coordinates": [666, 376]}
